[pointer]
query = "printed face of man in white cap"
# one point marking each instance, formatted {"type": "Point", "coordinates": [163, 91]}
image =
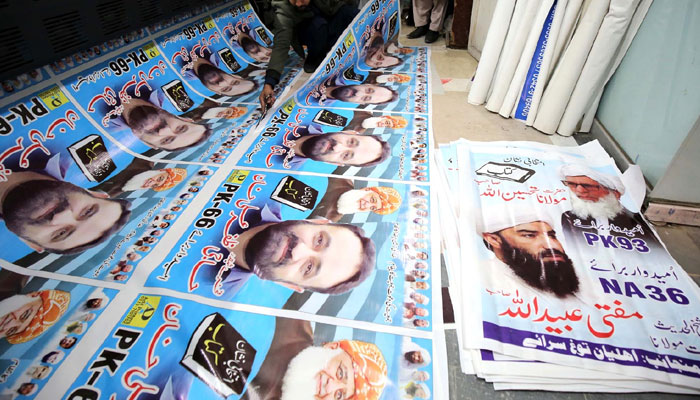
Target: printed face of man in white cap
{"type": "Point", "coordinates": [593, 194]}
{"type": "Point", "coordinates": [527, 243]}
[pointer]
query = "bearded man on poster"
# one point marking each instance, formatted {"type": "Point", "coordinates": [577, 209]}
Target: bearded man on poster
{"type": "Point", "coordinates": [528, 253]}
{"type": "Point", "coordinates": [342, 198]}
{"type": "Point", "coordinates": [596, 207]}
{"type": "Point", "coordinates": [295, 369]}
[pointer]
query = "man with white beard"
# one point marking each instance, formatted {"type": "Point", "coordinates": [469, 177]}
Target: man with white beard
{"type": "Point", "coordinates": [295, 369]}
{"type": "Point", "coordinates": [596, 208]}
{"type": "Point", "coordinates": [346, 369]}
{"type": "Point", "coordinates": [342, 198]}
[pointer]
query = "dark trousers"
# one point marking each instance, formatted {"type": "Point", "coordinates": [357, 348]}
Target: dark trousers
{"type": "Point", "coordinates": [320, 33]}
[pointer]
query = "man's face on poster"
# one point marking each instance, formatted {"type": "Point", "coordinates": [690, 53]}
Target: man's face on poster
{"type": "Point", "coordinates": [325, 373]}
{"type": "Point", "coordinates": [586, 188]}
{"type": "Point", "coordinates": [159, 129]}
{"type": "Point", "coordinates": [336, 380]}
{"type": "Point", "coordinates": [154, 180]}
{"type": "Point", "coordinates": [342, 148]}
{"type": "Point", "coordinates": [16, 321]}
{"type": "Point", "coordinates": [309, 255]}
{"type": "Point", "coordinates": [67, 342]}
{"type": "Point", "coordinates": [254, 49]}
{"type": "Point", "coordinates": [41, 372]}
{"type": "Point", "coordinates": [414, 357]}
{"type": "Point", "coordinates": [378, 59]}
{"type": "Point", "coordinates": [94, 303]}
{"type": "Point", "coordinates": [534, 253]}
{"type": "Point", "coordinates": [359, 200]}
{"type": "Point", "coordinates": [58, 216]}
{"type": "Point", "coordinates": [225, 84]}
{"type": "Point", "coordinates": [366, 93]}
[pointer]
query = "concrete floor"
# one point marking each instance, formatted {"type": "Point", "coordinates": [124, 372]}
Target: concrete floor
{"type": "Point", "coordinates": [454, 118]}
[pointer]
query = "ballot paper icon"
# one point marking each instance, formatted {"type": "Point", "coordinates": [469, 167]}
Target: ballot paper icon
{"type": "Point", "coordinates": [295, 193]}
{"type": "Point", "coordinates": [263, 35]}
{"type": "Point", "coordinates": [91, 155]}
{"type": "Point", "coordinates": [177, 95]}
{"type": "Point", "coordinates": [227, 57]}
{"type": "Point", "coordinates": [509, 172]}
{"type": "Point", "coordinates": [330, 118]}
{"type": "Point", "coordinates": [219, 356]}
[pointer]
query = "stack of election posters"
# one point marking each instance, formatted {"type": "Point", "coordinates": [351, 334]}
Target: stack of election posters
{"type": "Point", "coordinates": [165, 238]}
{"type": "Point", "coordinates": [558, 281]}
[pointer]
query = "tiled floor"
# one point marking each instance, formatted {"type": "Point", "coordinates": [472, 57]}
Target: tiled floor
{"type": "Point", "coordinates": [454, 118]}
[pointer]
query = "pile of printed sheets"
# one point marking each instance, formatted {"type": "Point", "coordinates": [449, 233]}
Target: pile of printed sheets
{"type": "Point", "coordinates": [162, 237]}
{"type": "Point", "coordinates": [557, 281]}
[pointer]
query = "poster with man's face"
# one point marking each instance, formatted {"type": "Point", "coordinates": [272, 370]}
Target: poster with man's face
{"type": "Point", "coordinates": [41, 323]}
{"type": "Point", "coordinates": [376, 30]}
{"type": "Point", "coordinates": [343, 142]}
{"type": "Point", "coordinates": [175, 348]}
{"type": "Point", "coordinates": [202, 57]}
{"type": "Point", "coordinates": [338, 83]}
{"type": "Point", "coordinates": [305, 240]}
{"type": "Point", "coordinates": [557, 233]}
{"type": "Point", "coordinates": [245, 33]}
{"type": "Point", "coordinates": [145, 106]}
{"type": "Point", "coordinates": [72, 201]}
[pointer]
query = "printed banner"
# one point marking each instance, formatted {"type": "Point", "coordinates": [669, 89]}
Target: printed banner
{"type": "Point", "coordinates": [343, 142]}
{"type": "Point", "coordinates": [377, 33]}
{"type": "Point", "coordinates": [570, 272]}
{"type": "Point", "coordinates": [338, 83]}
{"type": "Point", "coordinates": [145, 106]}
{"type": "Point", "coordinates": [353, 249]}
{"type": "Point", "coordinates": [172, 348]}
{"type": "Point", "coordinates": [161, 239]}
{"type": "Point", "coordinates": [73, 202]}
{"type": "Point", "coordinates": [42, 321]}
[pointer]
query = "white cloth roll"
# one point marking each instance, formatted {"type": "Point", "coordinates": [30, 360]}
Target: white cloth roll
{"type": "Point", "coordinates": [525, 11]}
{"type": "Point", "coordinates": [558, 92]}
{"type": "Point", "coordinates": [547, 57]}
{"type": "Point", "coordinates": [600, 60]}
{"type": "Point", "coordinates": [492, 50]}
{"type": "Point", "coordinates": [571, 17]}
{"type": "Point", "coordinates": [516, 84]}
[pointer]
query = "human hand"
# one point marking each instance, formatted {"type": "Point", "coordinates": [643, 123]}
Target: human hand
{"type": "Point", "coordinates": [267, 96]}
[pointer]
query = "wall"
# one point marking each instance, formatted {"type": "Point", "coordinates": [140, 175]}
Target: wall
{"type": "Point", "coordinates": [653, 100]}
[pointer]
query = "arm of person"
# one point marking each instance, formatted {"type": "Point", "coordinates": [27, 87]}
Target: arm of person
{"type": "Point", "coordinates": [284, 31]}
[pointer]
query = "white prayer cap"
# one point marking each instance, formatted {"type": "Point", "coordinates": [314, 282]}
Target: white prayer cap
{"type": "Point", "coordinates": [609, 181]}
{"type": "Point", "coordinates": [14, 303]}
{"type": "Point", "coordinates": [495, 219]}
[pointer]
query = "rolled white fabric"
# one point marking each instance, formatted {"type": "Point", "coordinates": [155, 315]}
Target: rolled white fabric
{"type": "Point", "coordinates": [547, 57]}
{"type": "Point", "coordinates": [493, 45]}
{"type": "Point", "coordinates": [571, 16]}
{"type": "Point", "coordinates": [525, 11]}
{"type": "Point", "coordinates": [600, 60]}
{"type": "Point", "coordinates": [516, 84]}
{"type": "Point", "coordinates": [558, 92]}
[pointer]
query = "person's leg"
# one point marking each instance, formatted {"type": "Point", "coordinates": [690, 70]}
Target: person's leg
{"type": "Point", "coordinates": [437, 17]}
{"type": "Point", "coordinates": [421, 11]}
{"type": "Point", "coordinates": [313, 33]}
{"type": "Point", "coordinates": [338, 22]}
